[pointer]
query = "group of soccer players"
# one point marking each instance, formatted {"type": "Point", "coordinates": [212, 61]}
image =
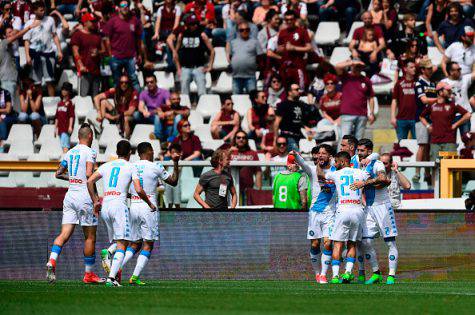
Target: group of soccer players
{"type": "Point", "coordinates": [350, 207]}
{"type": "Point", "coordinates": [129, 230]}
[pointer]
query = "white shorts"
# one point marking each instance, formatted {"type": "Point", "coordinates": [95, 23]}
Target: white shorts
{"type": "Point", "coordinates": [78, 208]}
{"type": "Point", "coordinates": [320, 224]}
{"type": "Point", "coordinates": [116, 216]}
{"type": "Point", "coordinates": [380, 220]}
{"type": "Point", "coordinates": [348, 224]}
{"type": "Point", "coordinates": [144, 222]}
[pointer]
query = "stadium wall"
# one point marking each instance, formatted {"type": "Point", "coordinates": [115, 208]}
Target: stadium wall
{"type": "Point", "coordinates": [238, 245]}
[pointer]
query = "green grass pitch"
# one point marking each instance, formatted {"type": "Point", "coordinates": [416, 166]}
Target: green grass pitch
{"type": "Point", "coordinates": [237, 297]}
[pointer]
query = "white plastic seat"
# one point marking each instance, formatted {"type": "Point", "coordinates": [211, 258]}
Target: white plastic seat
{"type": "Point", "coordinates": [195, 119]}
{"type": "Point", "coordinates": [194, 88]}
{"type": "Point", "coordinates": [245, 124]}
{"type": "Point", "coordinates": [52, 149]}
{"type": "Point", "coordinates": [434, 55]}
{"type": "Point", "coordinates": [68, 76]}
{"type": "Point", "coordinates": [220, 59]}
{"type": "Point", "coordinates": [224, 85]}
{"type": "Point", "coordinates": [383, 89]}
{"type": "Point", "coordinates": [354, 26]}
{"type": "Point", "coordinates": [165, 80]}
{"type": "Point", "coordinates": [22, 55]}
{"type": "Point", "coordinates": [242, 103]}
{"type": "Point", "coordinates": [327, 33]}
{"type": "Point", "coordinates": [412, 145]}
{"type": "Point", "coordinates": [208, 105]}
{"type": "Point", "coordinates": [50, 104]}
{"type": "Point", "coordinates": [156, 148]}
{"type": "Point", "coordinates": [21, 149]}
{"type": "Point", "coordinates": [306, 145]}
{"type": "Point", "coordinates": [47, 133]}
{"type": "Point", "coordinates": [185, 100]}
{"type": "Point", "coordinates": [203, 132]}
{"type": "Point", "coordinates": [141, 133]}
{"type": "Point", "coordinates": [20, 132]}
{"type": "Point", "coordinates": [252, 144]}
{"type": "Point", "coordinates": [110, 152]}
{"type": "Point", "coordinates": [340, 54]}
{"type": "Point", "coordinates": [83, 105]}
{"type": "Point", "coordinates": [212, 144]}
{"type": "Point", "coordinates": [187, 188]}
{"type": "Point", "coordinates": [109, 134]}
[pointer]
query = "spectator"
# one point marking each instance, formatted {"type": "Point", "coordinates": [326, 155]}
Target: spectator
{"type": "Point", "coordinates": [64, 118]}
{"type": "Point", "coordinates": [232, 31]}
{"type": "Point", "coordinates": [173, 112]}
{"type": "Point", "coordinates": [151, 101]}
{"type": "Point", "coordinates": [260, 13]}
{"type": "Point", "coordinates": [168, 19]}
{"type": "Point", "coordinates": [22, 10]}
{"type": "Point", "coordinates": [425, 96]}
{"type": "Point", "coordinates": [190, 144]}
{"type": "Point", "coordinates": [192, 46]}
{"type": "Point", "coordinates": [7, 116]}
{"type": "Point", "coordinates": [461, 52]}
{"type": "Point", "coordinates": [365, 51]}
{"type": "Point", "coordinates": [242, 152]}
{"type": "Point", "coordinates": [270, 29]}
{"type": "Point", "coordinates": [39, 47]}
{"type": "Point", "coordinates": [8, 69]}
{"type": "Point", "coordinates": [330, 102]}
{"type": "Point", "coordinates": [87, 47]}
{"type": "Point", "coordinates": [327, 10]}
{"type": "Point", "coordinates": [7, 17]}
{"type": "Point", "coordinates": [452, 28]}
{"type": "Point", "coordinates": [385, 16]}
{"type": "Point", "coordinates": [404, 100]}
{"type": "Point", "coordinates": [436, 12]}
{"type": "Point", "coordinates": [293, 43]}
{"type": "Point", "coordinates": [62, 30]}
{"type": "Point", "coordinates": [217, 184]}
{"type": "Point", "coordinates": [275, 92]}
{"type": "Point", "coordinates": [279, 154]}
{"type": "Point", "coordinates": [442, 114]}
{"type": "Point", "coordinates": [412, 53]}
{"type": "Point", "coordinates": [356, 94]}
{"type": "Point", "coordinates": [405, 38]}
{"type": "Point", "coordinates": [467, 7]}
{"type": "Point", "coordinates": [347, 10]}
{"type": "Point", "coordinates": [267, 143]}
{"type": "Point", "coordinates": [123, 33]}
{"type": "Point", "coordinates": [173, 193]}
{"type": "Point", "coordinates": [367, 19]}
{"type": "Point", "coordinates": [299, 7]}
{"type": "Point", "coordinates": [460, 85]}
{"type": "Point", "coordinates": [258, 115]}
{"type": "Point", "coordinates": [293, 110]}
{"type": "Point", "coordinates": [72, 7]}
{"type": "Point", "coordinates": [243, 54]}
{"type": "Point", "coordinates": [398, 180]}
{"type": "Point", "coordinates": [31, 106]}
{"type": "Point", "coordinates": [125, 103]}
{"type": "Point", "coordinates": [226, 122]}
{"type": "Point", "coordinates": [202, 9]}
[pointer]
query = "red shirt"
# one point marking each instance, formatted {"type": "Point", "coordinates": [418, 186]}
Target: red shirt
{"type": "Point", "coordinates": [123, 104]}
{"type": "Point", "coordinates": [298, 37]}
{"type": "Point", "coordinates": [442, 116]}
{"type": "Point", "coordinates": [123, 36]}
{"type": "Point", "coordinates": [355, 92]}
{"type": "Point", "coordinates": [207, 14]}
{"type": "Point", "coordinates": [331, 105]}
{"type": "Point", "coordinates": [188, 146]}
{"type": "Point", "coordinates": [405, 95]}
{"type": "Point", "coordinates": [64, 112]}
{"type": "Point", "coordinates": [89, 46]}
{"type": "Point", "coordinates": [246, 178]}
{"type": "Point", "coordinates": [359, 32]}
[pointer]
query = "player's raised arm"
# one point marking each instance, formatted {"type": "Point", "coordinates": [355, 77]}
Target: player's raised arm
{"type": "Point", "coordinates": [142, 194]}
{"type": "Point", "coordinates": [173, 179]}
{"type": "Point", "coordinates": [91, 188]}
{"type": "Point", "coordinates": [301, 162]}
{"type": "Point", "coordinates": [61, 171]}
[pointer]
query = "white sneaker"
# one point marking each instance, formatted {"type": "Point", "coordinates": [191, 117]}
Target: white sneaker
{"type": "Point", "coordinates": [50, 273]}
{"type": "Point", "coordinates": [112, 283]}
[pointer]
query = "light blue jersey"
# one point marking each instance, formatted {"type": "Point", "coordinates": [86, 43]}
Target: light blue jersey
{"type": "Point", "coordinates": [327, 196]}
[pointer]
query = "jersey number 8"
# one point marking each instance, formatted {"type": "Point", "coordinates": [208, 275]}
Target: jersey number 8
{"type": "Point", "coordinates": [114, 177]}
{"type": "Point", "coordinates": [283, 193]}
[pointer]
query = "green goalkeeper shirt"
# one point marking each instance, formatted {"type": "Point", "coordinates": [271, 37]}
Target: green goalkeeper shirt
{"type": "Point", "coordinates": [286, 190]}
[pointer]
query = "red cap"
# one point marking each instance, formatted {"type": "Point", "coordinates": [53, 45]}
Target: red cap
{"type": "Point", "coordinates": [291, 159]}
{"type": "Point", "coordinates": [330, 77]}
{"type": "Point", "coordinates": [87, 17]}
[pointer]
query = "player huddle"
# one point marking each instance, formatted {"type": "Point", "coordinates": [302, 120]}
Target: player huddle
{"type": "Point", "coordinates": [129, 229]}
{"type": "Point", "coordinates": [349, 206]}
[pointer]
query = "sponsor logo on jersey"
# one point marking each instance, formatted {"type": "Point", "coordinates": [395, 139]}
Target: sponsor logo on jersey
{"type": "Point", "coordinates": [112, 193]}
{"type": "Point", "coordinates": [75, 181]}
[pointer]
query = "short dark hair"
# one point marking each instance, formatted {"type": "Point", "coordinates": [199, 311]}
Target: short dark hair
{"type": "Point", "coordinates": [38, 4]}
{"type": "Point", "coordinates": [150, 75]}
{"type": "Point", "coordinates": [144, 147]}
{"type": "Point", "coordinates": [290, 12]}
{"type": "Point", "coordinates": [174, 146]}
{"type": "Point", "coordinates": [367, 143]}
{"type": "Point", "coordinates": [289, 86]}
{"type": "Point", "coordinates": [327, 148]}
{"type": "Point", "coordinates": [351, 139]}
{"type": "Point", "coordinates": [450, 64]}
{"type": "Point", "coordinates": [223, 99]}
{"type": "Point", "coordinates": [270, 15]}
{"type": "Point", "coordinates": [343, 155]}
{"type": "Point", "coordinates": [123, 148]}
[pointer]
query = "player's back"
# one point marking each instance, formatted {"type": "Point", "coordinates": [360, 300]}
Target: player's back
{"type": "Point", "coordinates": [343, 178]}
{"type": "Point", "coordinates": [373, 195]}
{"type": "Point", "coordinates": [75, 160]}
{"type": "Point", "coordinates": [149, 174]}
{"type": "Point", "coordinates": [117, 176]}
{"type": "Point", "coordinates": [286, 190]}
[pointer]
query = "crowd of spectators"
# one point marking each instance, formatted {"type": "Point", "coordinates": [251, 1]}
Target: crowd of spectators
{"type": "Point", "coordinates": [112, 45]}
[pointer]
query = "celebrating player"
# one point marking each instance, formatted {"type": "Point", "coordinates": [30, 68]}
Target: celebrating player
{"type": "Point", "coordinates": [77, 205]}
{"type": "Point", "coordinates": [290, 187]}
{"type": "Point", "coordinates": [117, 176]}
{"type": "Point", "coordinates": [144, 221]}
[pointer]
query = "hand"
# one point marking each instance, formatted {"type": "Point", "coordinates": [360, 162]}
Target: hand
{"type": "Point", "coordinates": [55, 132]}
{"type": "Point", "coordinates": [29, 93]}
{"type": "Point", "coordinates": [35, 23]}
{"type": "Point", "coordinates": [60, 57]}
{"type": "Point", "coordinates": [373, 57]}
{"type": "Point", "coordinates": [454, 127]}
{"type": "Point", "coordinates": [97, 208]}
{"type": "Point", "coordinates": [206, 69]}
{"type": "Point", "coordinates": [371, 118]}
{"type": "Point", "coordinates": [258, 132]}
{"type": "Point", "coordinates": [394, 122]}
{"type": "Point", "coordinates": [391, 55]}
{"type": "Point", "coordinates": [364, 162]}
{"type": "Point", "coordinates": [155, 36]}
{"type": "Point", "coordinates": [146, 114]}
{"type": "Point", "coordinates": [289, 46]}
{"type": "Point", "coordinates": [139, 60]}
{"type": "Point", "coordinates": [70, 130]}
{"type": "Point", "coordinates": [357, 185]}
{"type": "Point", "coordinates": [82, 68]}
{"type": "Point", "coordinates": [176, 157]}
{"type": "Point", "coordinates": [324, 6]}
{"type": "Point", "coordinates": [77, 12]}
{"type": "Point", "coordinates": [394, 167]}
{"type": "Point", "coordinates": [28, 60]}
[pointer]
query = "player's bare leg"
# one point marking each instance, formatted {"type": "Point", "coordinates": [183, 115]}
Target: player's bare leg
{"type": "Point", "coordinates": [66, 232]}
{"type": "Point", "coordinates": [326, 259]}
{"type": "Point", "coordinates": [336, 257]}
{"type": "Point", "coordinates": [142, 261]}
{"type": "Point", "coordinates": [89, 255]}
{"type": "Point", "coordinates": [315, 257]}
{"type": "Point", "coordinates": [350, 261]}
{"type": "Point", "coordinates": [116, 263]}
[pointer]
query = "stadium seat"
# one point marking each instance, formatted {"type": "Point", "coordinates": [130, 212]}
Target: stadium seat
{"type": "Point", "coordinates": [187, 187]}
{"type": "Point", "coordinates": [242, 103]}
{"type": "Point", "coordinates": [47, 133]}
{"type": "Point", "coordinates": [340, 54]}
{"type": "Point", "coordinates": [306, 145]}
{"type": "Point", "coordinates": [68, 76]}
{"type": "Point", "coordinates": [304, 99]}
{"type": "Point", "coordinates": [192, 203]}
{"type": "Point", "coordinates": [412, 145]}
{"type": "Point", "coordinates": [110, 133]}
{"type": "Point", "coordinates": [354, 26]}
{"type": "Point", "coordinates": [212, 144]}
{"type": "Point", "coordinates": [224, 85]}
{"type": "Point", "coordinates": [434, 55]}
{"type": "Point", "coordinates": [165, 80]}
{"type": "Point", "coordinates": [185, 100]}
{"type": "Point", "coordinates": [327, 33]}
{"type": "Point", "coordinates": [74, 136]}
{"type": "Point", "coordinates": [195, 119]}
{"type": "Point", "coordinates": [245, 125]}
{"type": "Point", "coordinates": [252, 144]}
{"type": "Point", "coordinates": [52, 149]}
{"type": "Point", "coordinates": [21, 149]}
{"type": "Point", "coordinates": [220, 60]}
{"type": "Point", "coordinates": [156, 148]}
{"type": "Point", "coordinates": [141, 133]}
{"type": "Point", "coordinates": [203, 132]}
{"type": "Point", "coordinates": [208, 105]}
{"type": "Point", "coordinates": [110, 152]}
{"type": "Point", "coordinates": [472, 123]}
{"type": "Point", "coordinates": [20, 132]}
{"type": "Point", "coordinates": [383, 89]}
{"type": "Point", "coordinates": [83, 105]}
{"type": "Point", "coordinates": [22, 56]}
{"type": "Point", "coordinates": [194, 88]}
{"type": "Point", "coordinates": [50, 103]}
{"type": "Point", "coordinates": [7, 182]}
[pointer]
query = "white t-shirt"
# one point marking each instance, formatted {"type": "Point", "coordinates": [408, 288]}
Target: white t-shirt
{"type": "Point", "coordinates": [343, 179]}
{"type": "Point", "coordinates": [272, 43]}
{"type": "Point", "coordinates": [460, 90]}
{"type": "Point", "coordinates": [465, 57]}
{"type": "Point", "coordinates": [41, 37]}
{"type": "Point", "coordinates": [302, 9]}
{"type": "Point", "coordinates": [75, 160]}
{"type": "Point", "coordinates": [148, 173]}
{"type": "Point", "coordinates": [117, 176]}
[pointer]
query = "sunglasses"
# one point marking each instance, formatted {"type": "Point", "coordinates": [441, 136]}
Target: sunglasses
{"type": "Point", "coordinates": [289, 20]}
{"type": "Point", "coordinates": [330, 83]}
{"type": "Point", "coordinates": [186, 125]}
{"type": "Point", "coordinates": [123, 5]}
{"type": "Point", "coordinates": [244, 30]}
{"type": "Point", "coordinates": [281, 144]}
{"type": "Point", "coordinates": [275, 81]}
{"type": "Point", "coordinates": [124, 82]}
{"type": "Point", "coordinates": [150, 82]}
{"type": "Point", "coordinates": [241, 138]}
{"type": "Point", "coordinates": [456, 69]}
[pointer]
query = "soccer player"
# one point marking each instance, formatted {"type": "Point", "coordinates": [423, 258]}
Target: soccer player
{"type": "Point", "coordinates": [76, 167]}
{"type": "Point", "coordinates": [349, 214]}
{"type": "Point", "coordinates": [380, 218]}
{"type": "Point", "coordinates": [117, 176]}
{"type": "Point", "coordinates": [349, 144]}
{"type": "Point", "coordinates": [322, 210]}
{"type": "Point", "coordinates": [290, 188]}
{"type": "Point", "coordinates": [144, 221]}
